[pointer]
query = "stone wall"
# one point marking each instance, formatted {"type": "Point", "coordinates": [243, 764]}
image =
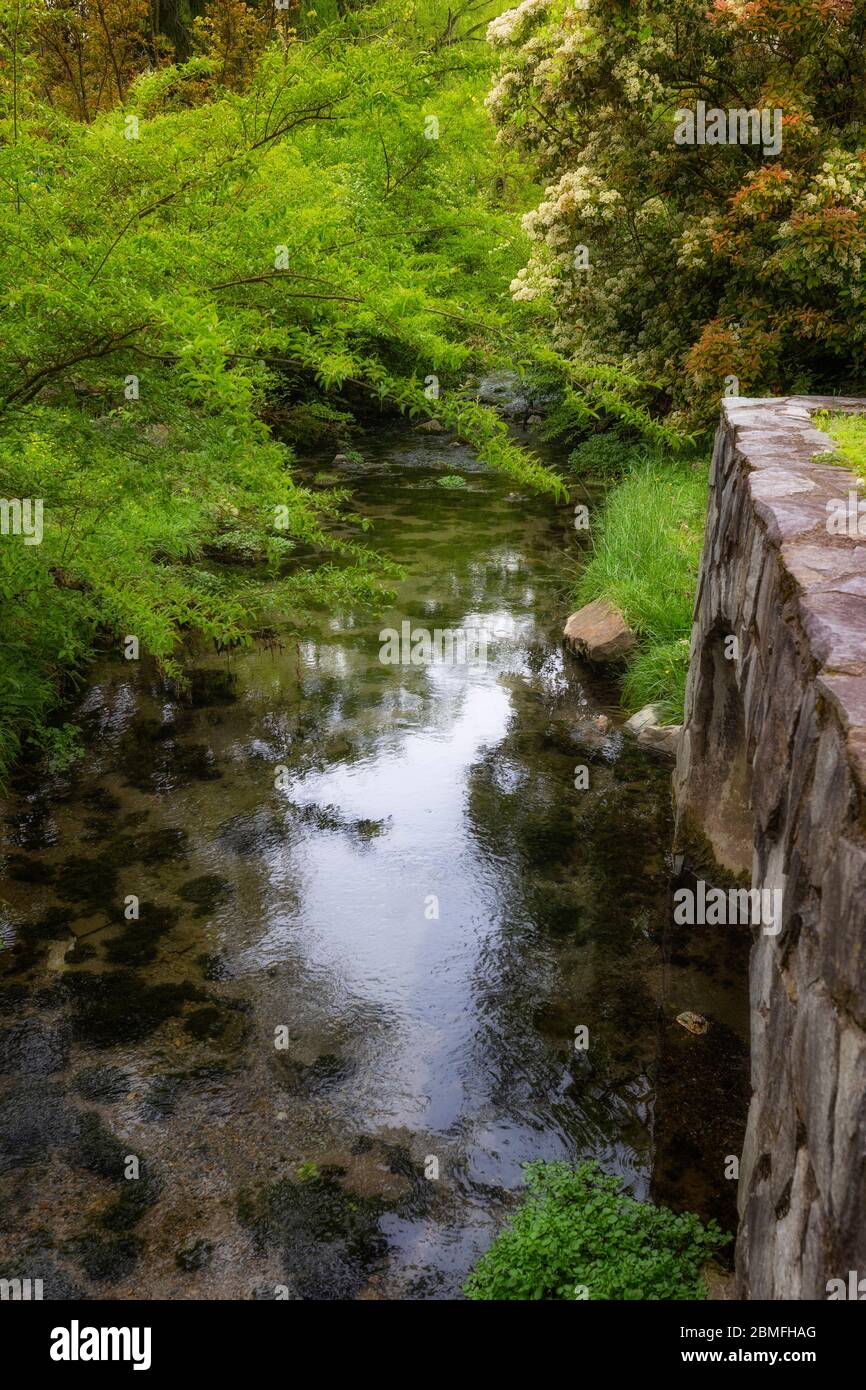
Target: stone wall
{"type": "Point", "coordinates": [771, 771]}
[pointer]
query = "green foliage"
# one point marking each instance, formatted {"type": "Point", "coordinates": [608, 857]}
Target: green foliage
{"type": "Point", "coordinates": [603, 456]}
{"type": "Point", "coordinates": [173, 88]}
{"type": "Point", "coordinates": [646, 552]}
{"type": "Point", "coordinates": [576, 1226]}
{"type": "Point", "coordinates": [657, 676]}
{"type": "Point", "coordinates": [279, 253]}
{"type": "Point", "coordinates": [452, 480]}
{"type": "Point", "coordinates": [594, 394]}
{"type": "Point", "coordinates": [489, 435]}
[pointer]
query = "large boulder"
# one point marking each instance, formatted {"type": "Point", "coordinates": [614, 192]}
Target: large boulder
{"type": "Point", "coordinates": [599, 632]}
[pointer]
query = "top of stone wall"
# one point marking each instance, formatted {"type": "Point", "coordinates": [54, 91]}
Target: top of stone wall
{"type": "Point", "coordinates": [776, 441]}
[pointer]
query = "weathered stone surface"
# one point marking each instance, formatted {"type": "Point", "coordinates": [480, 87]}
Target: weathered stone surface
{"type": "Point", "coordinates": [814, 566]}
{"type": "Point", "coordinates": [771, 768]}
{"type": "Point", "coordinates": [660, 738]}
{"type": "Point", "coordinates": [835, 625]}
{"type": "Point", "coordinates": [643, 719]}
{"type": "Point", "coordinates": [600, 633]}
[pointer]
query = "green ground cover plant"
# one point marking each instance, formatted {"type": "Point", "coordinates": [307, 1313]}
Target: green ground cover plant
{"type": "Point", "coordinates": [578, 1234]}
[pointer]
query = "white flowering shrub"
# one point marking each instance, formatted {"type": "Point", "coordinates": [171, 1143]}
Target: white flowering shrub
{"type": "Point", "coordinates": [703, 260]}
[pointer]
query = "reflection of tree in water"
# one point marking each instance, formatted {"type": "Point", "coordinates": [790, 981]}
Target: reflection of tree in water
{"type": "Point", "coordinates": [583, 890]}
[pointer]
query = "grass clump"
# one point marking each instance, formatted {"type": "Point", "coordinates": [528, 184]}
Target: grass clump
{"type": "Point", "coordinates": [657, 676]}
{"type": "Point", "coordinates": [578, 1229]}
{"type": "Point", "coordinates": [647, 549]}
{"type": "Point", "coordinates": [849, 434]}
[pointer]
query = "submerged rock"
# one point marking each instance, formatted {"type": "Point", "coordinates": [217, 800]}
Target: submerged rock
{"type": "Point", "coordinates": [692, 1022]}
{"type": "Point", "coordinates": [104, 1084]}
{"type": "Point", "coordinates": [328, 1239]}
{"type": "Point", "coordinates": [30, 1049]}
{"type": "Point", "coordinates": [599, 632]}
{"type": "Point", "coordinates": [79, 953]}
{"type": "Point", "coordinates": [194, 1257]}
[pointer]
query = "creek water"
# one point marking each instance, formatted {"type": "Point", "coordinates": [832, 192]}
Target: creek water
{"type": "Point", "coordinates": [346, 1012]}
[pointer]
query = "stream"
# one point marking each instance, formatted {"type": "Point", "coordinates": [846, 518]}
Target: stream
{"type": "Point", "coordinates": [345, 1015]}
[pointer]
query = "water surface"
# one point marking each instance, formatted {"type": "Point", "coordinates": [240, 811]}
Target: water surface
{"type": "Point", "coordinates": [389, 870]}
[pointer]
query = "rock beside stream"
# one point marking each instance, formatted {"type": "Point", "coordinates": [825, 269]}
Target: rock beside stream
{"type": "Point", "coordinates": [645, 718]}
{"type": "Point", "coordinates": [661, 738]}
{"type": "Point", "coordinates": [650, 733]}
{"type": "Point", "coordinates": [600, 633]}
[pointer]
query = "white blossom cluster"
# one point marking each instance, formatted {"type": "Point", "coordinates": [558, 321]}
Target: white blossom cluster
{"type": "Point", "coordinates": [695, 247]}
{"type": "Point", "coordinates": [842, 178]}
{"type": "Point", "coordinates": [629, 234]}
{"type": "Point", "coordinates": [510, 26]}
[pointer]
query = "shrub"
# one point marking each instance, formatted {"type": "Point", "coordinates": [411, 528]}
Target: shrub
{"type": "Point", "coordinates": [686, 264]}
{"type": "Point", "coordinates": [577, 1226]}
{"type": "Point", "coordinates": [603, 456]}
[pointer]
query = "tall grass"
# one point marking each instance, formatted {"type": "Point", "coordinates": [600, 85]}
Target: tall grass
{"type": "Point", "coordinates": [647, 548]}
